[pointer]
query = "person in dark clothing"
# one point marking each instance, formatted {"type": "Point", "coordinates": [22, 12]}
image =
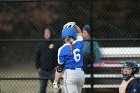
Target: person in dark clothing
{"type": "Point", "coordinates": [130, 83]}
{"type": "Point", "coordinates": [96, 47]}
{"type": "Point", "coordinates": [46, 59]}
{"type": "Point", "coordinates": [86, 49]}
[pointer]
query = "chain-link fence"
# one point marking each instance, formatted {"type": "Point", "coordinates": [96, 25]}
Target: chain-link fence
{"type": "Point", "coordinates": [114, 23]}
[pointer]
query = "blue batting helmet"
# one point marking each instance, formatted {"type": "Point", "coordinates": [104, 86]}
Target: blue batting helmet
{"type": "Point", "coordinates": [69, 32]}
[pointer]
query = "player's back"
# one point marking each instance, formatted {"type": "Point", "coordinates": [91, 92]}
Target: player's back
{"type": "Point", "coordinates": [74, 60]}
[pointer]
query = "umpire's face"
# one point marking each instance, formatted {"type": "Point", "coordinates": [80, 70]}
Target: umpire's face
{"type": "Point", "coordinates": [127, 70]}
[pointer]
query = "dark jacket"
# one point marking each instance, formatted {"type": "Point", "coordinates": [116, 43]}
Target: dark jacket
{"type": "Point", "coordinates": [133, 86]}
{"type": "Point", "coordinates": [46, 56]}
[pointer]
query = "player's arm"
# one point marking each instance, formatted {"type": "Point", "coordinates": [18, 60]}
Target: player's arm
{"type": "Point", "coordinates": [72, 24]}
{"type": "Point", "coordinates": [79, 32]}
{"type": "Point", "coordinates": [58, 75]}
{"type": "Point", "coordinates": [59, 72]}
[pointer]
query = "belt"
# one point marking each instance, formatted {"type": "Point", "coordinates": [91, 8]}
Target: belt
{"type": "Point", "coordinates": [75, 68]}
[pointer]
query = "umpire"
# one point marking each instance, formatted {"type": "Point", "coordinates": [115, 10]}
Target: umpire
{"type": "Point", "coordinates": [130, 83]}
{"type": "Point", "coordinates": [46, 59]}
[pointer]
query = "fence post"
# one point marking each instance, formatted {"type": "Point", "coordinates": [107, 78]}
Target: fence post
{"type": "Point", "coordinates": [91, 45]}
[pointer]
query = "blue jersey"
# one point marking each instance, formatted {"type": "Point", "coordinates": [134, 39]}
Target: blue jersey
{"type": "Point", "coordinates": [74, 60]}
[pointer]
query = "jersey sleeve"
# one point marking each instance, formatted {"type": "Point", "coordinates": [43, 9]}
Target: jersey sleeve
{"type": "Point", "coordinates": [79, 38]}
{"type": "Point", "coordinates": [60, 55]}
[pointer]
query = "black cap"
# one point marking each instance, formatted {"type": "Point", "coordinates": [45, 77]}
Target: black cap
{"type": "Point", "coordinates": [87, 28]}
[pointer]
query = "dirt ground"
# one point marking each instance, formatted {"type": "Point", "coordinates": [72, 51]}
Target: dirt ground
{"type": "Point", "coordinates": [21, 86]}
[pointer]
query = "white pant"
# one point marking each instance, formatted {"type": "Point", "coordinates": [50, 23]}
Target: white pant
{"type": "Point", "coordinates": [73, 80]}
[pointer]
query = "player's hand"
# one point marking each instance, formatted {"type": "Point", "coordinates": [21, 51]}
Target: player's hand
{"type": "Point", "coordinates": [78, 30]}
{"type": "Point", "coordinates": [56, 87]}
{"type": "Point", "coordinates": [69, 24]}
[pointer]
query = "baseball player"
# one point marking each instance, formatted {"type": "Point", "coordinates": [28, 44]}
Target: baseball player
{"type": "Point", "coordinates": [70, 60]}
{"type": "Point", "coordinates": [130, 83]}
